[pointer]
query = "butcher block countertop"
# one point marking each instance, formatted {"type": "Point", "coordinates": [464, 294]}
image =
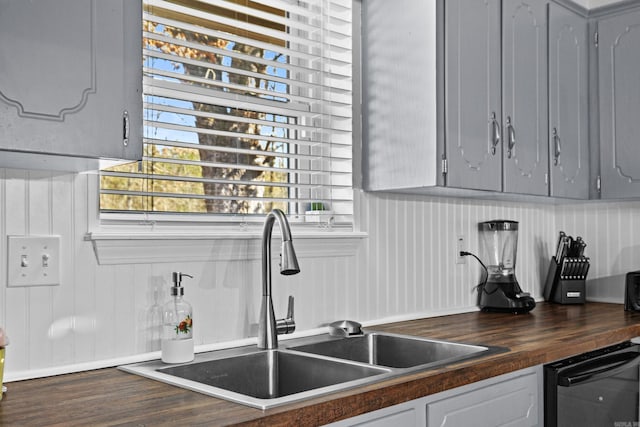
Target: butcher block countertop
{"type": "Point", "coordinates": [112, 397]}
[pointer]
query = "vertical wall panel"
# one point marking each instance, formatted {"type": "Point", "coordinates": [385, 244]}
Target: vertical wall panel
{"type": "Point", "coordinates": [60, 328]}
{"type": "Point", "coordinates": [82, 285]}
{"type": "Point", "coordinates": [106, 333]}
{"type": "Point", "coordinates": [3, 248]}
{"type": "Point", "coordinates": [17, 299]}
{"type": "Point", "coordinates": [142, 304]}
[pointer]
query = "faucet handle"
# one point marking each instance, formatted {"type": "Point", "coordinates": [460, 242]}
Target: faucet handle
{"type": "Point", "coordinates": [290, 308]}
{"type": "Point", "coordinates": [288, 324]}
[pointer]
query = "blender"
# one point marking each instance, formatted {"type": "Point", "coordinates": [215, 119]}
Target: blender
{"type": "Point", "coordinates": [500, 291]}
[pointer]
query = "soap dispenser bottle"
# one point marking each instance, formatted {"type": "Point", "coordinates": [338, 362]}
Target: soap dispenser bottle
{"type": "Point", "coordinates": [177, 319]}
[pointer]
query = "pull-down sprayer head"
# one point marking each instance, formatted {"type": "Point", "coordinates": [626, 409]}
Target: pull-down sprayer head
{"type": "Point", "coordinates": [288, 261]}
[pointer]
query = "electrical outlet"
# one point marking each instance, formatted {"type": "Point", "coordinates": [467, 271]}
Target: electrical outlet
{"type": "Point", "coordinates": [33, 261]}
{"type": "Point", "coordinates": [460, 246]}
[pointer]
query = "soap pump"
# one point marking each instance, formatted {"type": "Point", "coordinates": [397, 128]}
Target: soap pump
{"type": "Point", "coordinates": [177, 319]}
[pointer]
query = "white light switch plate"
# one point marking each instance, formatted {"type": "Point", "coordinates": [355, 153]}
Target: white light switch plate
{"type": "Point", "coordinates": [33, 261]}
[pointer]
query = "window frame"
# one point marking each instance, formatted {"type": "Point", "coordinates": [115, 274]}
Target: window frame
{"type": "Point", "coordinates": [138, 240]}
{"type": "Point", "coordinates": [217, 222]}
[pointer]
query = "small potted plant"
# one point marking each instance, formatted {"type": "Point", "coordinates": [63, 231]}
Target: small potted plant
{"type": "Point", "coordinates": [4, 341]}
{"type": "Point", "coordinates": [317, 212]}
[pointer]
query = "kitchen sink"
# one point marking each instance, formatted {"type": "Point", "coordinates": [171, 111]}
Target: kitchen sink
{"type": "Point", "coordinates": [396, 351]}
{"type": "Point", "coordinates": [304, 368]}
{"type": "Point", "coordinates": [262, 378]}
{"type": "Point", "coordinates": [272, 373]}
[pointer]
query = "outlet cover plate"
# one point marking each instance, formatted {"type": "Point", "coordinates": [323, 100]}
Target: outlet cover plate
{"type": "Point", "coordinates": [33, 261]}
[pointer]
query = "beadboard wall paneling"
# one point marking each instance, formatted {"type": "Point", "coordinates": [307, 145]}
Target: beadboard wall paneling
{"type": "Point", "coordinates": [405, 268]}
{"type": "Point", "coordinates": [412, 248]}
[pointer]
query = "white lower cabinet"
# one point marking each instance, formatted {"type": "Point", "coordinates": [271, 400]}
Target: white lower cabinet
{"type": "Point", "coordinates": [513, 399]}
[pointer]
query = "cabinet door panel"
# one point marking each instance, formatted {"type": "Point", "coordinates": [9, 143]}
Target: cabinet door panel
{"type": "Point", "coordinates": [524, 73]}
{"type": "Point", "coordinates": [512, 403]}
{"type": "Point", "coordinates": [70, 69]}
{"type": "Point", "coordinates": [56, 47]}
{"type": "Point", "coordinates": [619, 86]}
{"type": "Point", "coordinates": [568, 104]}
{"type": "Point", "coordinates": [472, 93]}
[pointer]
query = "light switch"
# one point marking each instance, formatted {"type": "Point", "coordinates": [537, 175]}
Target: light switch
{"type": "Point", "coordinates": [33, 261]}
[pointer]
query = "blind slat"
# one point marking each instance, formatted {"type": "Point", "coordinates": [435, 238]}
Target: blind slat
{"type": "Point", "coordinates": [248, 120]}
{"type": "Point", "coordinates": [231, 134]}
{"type": "Point", "coordinates": [330, 66]}
{"type": "Point", "coordinates": [254, 152]}
{"type": "Point", "coordinates": [336, 98]}
{"type": "Point", "coordinates": [201, 95]}
{"type": "Point", "coordinates": [220, 165]}
{"type": "Point", "coordinates": [290, 37]}
{"type": "Point", "coordinates": [174, 178]}
{"type": "Point", "coordinates": [210, 196]}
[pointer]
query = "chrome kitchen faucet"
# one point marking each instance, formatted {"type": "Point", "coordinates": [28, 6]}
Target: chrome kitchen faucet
{"type": "Point", "coordinates": [268, 327]}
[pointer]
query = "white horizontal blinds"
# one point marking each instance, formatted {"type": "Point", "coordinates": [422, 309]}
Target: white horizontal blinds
{"type": "Point", "coordinates": [247, 107]}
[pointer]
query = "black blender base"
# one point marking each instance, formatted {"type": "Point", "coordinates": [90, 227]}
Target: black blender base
{"type": "Point", "coordinates": [504, 299]}
{"type": "Point", "coordinates": [515, 310]}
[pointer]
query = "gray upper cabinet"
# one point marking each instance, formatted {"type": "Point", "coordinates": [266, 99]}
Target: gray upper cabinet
{"type": "Point", "coordinates": [71, 82]}
{"type": "Point", "coordinates": [524, 97]}
{"type": "Point", "coordinates": [619, 102]}
{"type": "Point", "coordinates": [507, 110]}
{"type": "Point", "coordinates": [496, 95]}
{"type": "Point", "coordinates": [473, 108]}
{"type": "Point", "coordinates": [481, 121]}
{"type": "Point", "coordinates": [568, 103]}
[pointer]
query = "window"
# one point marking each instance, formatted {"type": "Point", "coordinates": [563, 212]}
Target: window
{"type": "Point", "coordinates": [247, 107]}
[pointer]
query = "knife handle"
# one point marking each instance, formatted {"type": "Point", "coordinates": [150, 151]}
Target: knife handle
{"type": "Point", "coordinates": [559, 246]}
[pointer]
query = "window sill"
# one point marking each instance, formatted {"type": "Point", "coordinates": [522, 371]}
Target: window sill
{"type": "Point", "coordinates": [153, 247]}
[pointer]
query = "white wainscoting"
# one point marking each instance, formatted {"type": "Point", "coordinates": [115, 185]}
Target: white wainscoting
{"type": "Point", "coordinates": [405, 269]}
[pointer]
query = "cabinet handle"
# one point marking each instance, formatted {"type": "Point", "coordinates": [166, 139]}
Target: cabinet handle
{"type": "Point", "coordinates": [125, 128]}
{"type": "Point", "coordinates": [495, 136]}
{"type": "Point", "coordinates": [511, 132]}
{"type": "Point", "coordinates": [556, 147]}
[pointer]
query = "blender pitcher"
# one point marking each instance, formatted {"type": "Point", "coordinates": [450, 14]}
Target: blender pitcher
{"type": "Point", "coordinates": [501, 291]}
{"type": "Point", "coordinates": [499, 240]}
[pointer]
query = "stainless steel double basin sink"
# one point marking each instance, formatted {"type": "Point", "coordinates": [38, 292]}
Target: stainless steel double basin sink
{"type": "Point", "coordinates": [303, 368]}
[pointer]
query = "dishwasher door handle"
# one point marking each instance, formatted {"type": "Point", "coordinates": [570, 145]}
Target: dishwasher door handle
{"type": "Point", "coordinates": [597, 369]}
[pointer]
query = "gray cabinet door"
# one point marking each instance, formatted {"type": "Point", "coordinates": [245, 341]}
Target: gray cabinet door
{"type": "Point", "coordinates": [70, 69]}
{"type": "Point", "coordinates": [568, 104]}
{"type": "Point", "coordinates": [619, 94]}
{"type": "Point", "coordinates": [514, 402]}
{"type": "Point", "coordinates": [472, 94]}
{"type": "Point", "coordinates": [524, 97]}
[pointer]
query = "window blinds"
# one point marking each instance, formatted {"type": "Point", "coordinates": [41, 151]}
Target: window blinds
{"type": "Point", "coordinates": [247, 107]}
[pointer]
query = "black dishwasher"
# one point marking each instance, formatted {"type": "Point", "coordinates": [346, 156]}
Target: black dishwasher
{"type": "Point", "coordinates": [599, 388]}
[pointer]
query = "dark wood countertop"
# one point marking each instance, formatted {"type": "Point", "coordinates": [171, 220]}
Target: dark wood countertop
{"type": "Point", "coordinates": [112, 397]}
